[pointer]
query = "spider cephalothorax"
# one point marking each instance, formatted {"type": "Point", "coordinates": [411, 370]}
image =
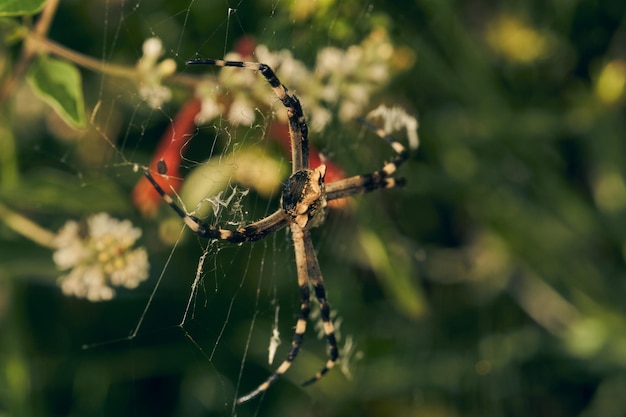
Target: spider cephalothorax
{"type": "Point", "coordinates": [304, 197]}
{"type": "Point", "coordinates": [303, 205]}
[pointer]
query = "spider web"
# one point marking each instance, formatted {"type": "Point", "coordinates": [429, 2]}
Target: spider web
{"type": "Point", "coordinates": [209, 304]}
{"type": "Point", "coordinates": [204, 321]}
{"type": "Point", "coordinates": [211, 320]}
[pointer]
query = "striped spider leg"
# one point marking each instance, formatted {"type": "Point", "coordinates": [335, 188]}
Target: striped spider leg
{"type": "Point", "coordinates": [302, 206]}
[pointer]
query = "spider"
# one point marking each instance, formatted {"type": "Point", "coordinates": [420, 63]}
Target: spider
{"type": "Point", "coordinates": [302, 207]}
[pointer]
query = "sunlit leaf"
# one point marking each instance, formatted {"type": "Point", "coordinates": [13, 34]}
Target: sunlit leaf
{"type": "Point", "coordinates": [58, 83]}
{"type": "Point", "coordinates": [20, 7]}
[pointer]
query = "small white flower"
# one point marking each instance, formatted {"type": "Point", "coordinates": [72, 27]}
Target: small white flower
{"type": "Point", "coordinates": [207, 91]}
{"type": "Point", "coordinates": [69, 249]}
{"type": "Point", "coordinates": [328, 60]}
{"type": "Point", "coordinates": [166, 67]}
{"type": "Point", "coordinates": [319, 117]}
{"type": "Point", "coordinates": [349, 110]}
{"type": "Point", "coordinates": [354, 59]}
{"type": "Point", "coordinates": [378, 73]}
{"type": "Point", "coordinates": [241, 112]}
{"type": "Point", "coordinates": [152, 48]}
{"type": "Point", "coordinates": [264, 55]}
{"type": "Point", "coordinates": [99, 256]}
{"type": "Point", "coordinates": [358, 93]}
{"type": "Point", "coordinates": [329, 93]}
{"type": "Point", "coordinates": [209, 110]}
{"type": "Point", "coordinates": [154, 95]}
{"type": "Point", "coordinates": [150, 74]}
{"type": "Point", "coordinates": [291, 69]}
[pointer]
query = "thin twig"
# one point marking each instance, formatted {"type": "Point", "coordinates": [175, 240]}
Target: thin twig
{"type": "Point", "coordinates": [27, 227]}
{"type": "Point", "coordinates": [46, 45]}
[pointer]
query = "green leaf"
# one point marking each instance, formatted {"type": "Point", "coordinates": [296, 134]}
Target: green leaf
{"type": "Point", "coordinates": [58, 83]}
{"type": "Point", "coordinates": [20, 7]}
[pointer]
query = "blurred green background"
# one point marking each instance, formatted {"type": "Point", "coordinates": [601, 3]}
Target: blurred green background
{"type": "Point", "coordinates": [492, 284]}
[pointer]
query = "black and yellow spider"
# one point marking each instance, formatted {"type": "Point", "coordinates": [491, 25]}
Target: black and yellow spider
{"type": "Point", "coordinates": [302, 206]}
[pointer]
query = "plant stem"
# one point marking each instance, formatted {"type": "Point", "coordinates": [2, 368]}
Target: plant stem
{"type": "Point", "coordinates": [46, 45]}
{"type": "Point", "coordinates": [27, 227]}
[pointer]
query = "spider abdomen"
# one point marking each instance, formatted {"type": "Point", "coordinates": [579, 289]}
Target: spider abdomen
{"type": "Point", "coordinates": [304, 197]}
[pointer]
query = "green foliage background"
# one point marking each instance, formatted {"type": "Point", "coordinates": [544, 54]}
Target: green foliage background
{"type": "Point", "coordinates": [499, 278]}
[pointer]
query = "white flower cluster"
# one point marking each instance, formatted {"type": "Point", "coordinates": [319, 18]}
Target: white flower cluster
{"type": "Point", "coordinates": [342, 82]}
{"type": "Point", "coordinates": [151, 73]}
{"type": "Point", "coordinates": [99, 256]}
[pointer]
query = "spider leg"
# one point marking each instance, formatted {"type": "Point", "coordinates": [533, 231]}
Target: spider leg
{"type": "Point", "coordinates": [254, 231]}
{"type": "Point", "coordinates": [303, 270]}
{"type": "Point", "coordinates": [298, 130]}
{"type": "Point", "coordinates": [315, 275]}
{"type": "Point", "coordinates": [381, 178]}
